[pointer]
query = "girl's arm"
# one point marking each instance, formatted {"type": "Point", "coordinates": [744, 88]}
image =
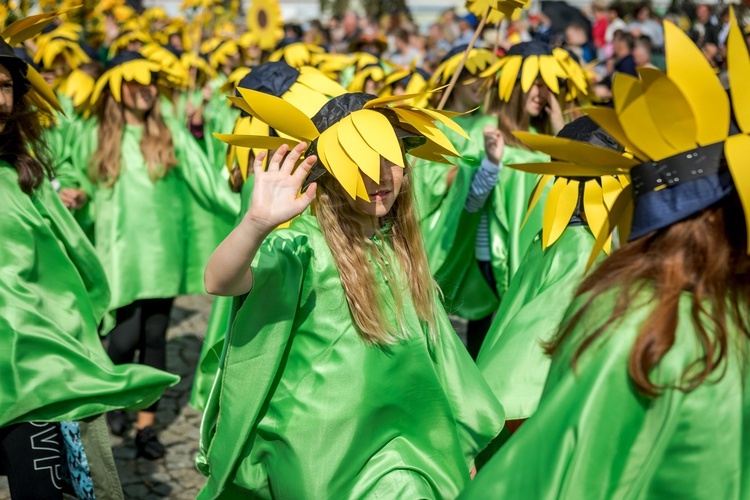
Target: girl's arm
{"type": "Point", "coordinates": [275, 200]}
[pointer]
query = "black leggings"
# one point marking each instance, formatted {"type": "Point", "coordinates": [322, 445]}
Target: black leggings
{"type": "Point", "coordinates": [32, 456]}
{"type": "Point", "coordinates": [141, 326]}
{"type": "Point", "coordinates": [476, 330]}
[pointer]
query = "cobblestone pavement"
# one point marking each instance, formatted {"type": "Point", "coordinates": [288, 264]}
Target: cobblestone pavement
{"type": "Point", "coordinates": [175, 475]}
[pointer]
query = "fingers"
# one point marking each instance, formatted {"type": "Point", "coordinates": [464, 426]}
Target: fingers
{"type": "Point", "coordinates": [308, 196]}
{"type": "Point", "coordinates": [304, 168]}
{"type": "Point", "coordinates": [292, 157]}
{"type": "Point", "coordinates": [258, 163]}
{"type": "Point", "coordinates": [275, 163]}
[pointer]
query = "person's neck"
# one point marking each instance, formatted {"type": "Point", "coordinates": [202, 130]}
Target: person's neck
{"type": "Point", "coordinates": [134, 117]}
{"type": "Point", "coordinates": [371, 225]}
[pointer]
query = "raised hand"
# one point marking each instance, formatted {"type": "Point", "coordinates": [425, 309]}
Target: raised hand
{"type": "Point", "coordinates": [494, 144]}
{"type": "Point", "coordinates": [275, 197]}
{"type": "Point", "coordinates": [556, 120]}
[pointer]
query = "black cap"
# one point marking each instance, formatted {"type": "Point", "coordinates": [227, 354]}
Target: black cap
{"type": "Point", "coordinates": [584, 129]}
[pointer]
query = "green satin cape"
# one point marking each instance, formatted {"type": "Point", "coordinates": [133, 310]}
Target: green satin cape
{"type": "Point", "coordinates": [154, 238]}
{"type": "Point", "coordinates": [450, 232]}
{"type": "Point", "coordinates": [53, 293]}
{"type": "Point", "coordinates": [512, 359]}
{"type": "Point", "coordinates": [594, 436]}
{"type": "Point", "coordinates": [303, 408]}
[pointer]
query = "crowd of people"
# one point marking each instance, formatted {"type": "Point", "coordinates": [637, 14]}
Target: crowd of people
{"type": "Point", "coordinates": [577, 193]}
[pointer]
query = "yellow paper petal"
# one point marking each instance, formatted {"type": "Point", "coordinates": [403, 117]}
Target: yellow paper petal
{"type": "Point", "coordinates": [738, 159]}
{"type": "Point", "coordinates": [669, 109]}
{"type": "Point", "coordinates": [635, 117]}
{"type": "Point", "coordinates": [280, 115]}
{"type": "Point", "coordinates": [378, 133]}
{"type": "Point", "coordinates": [606, 118]}
{"type": "Point", "coordinates": [601, 159]}
{"type": "Point", "coordinates": [738, 63]}
{"type": "Point", "coordinates": [425, 127]}
{"type": "Point", "coordinates": [691, 72]}
{"type": "Point", "coordinates": [115, 85]}
{"type": "Point", "coordinates": [367, 159]}
{"type": "Point", "coordinates": [623, 203]}
{"type": "Point", "coordinates": [561, 169]}
{"type": "Point", "coordinates": [611, 189]}
{"type": "Point", "coordinates": [40, 87]}
{"type": "Point", "coordinates": [316, 80]}
{"type": "Point", "coordinates": [240, 103]}
{"type": "Point", "coordinates": [549, 69]}
{"type": "Point", "coordinates": [558, 213]}
{"type": "Point", "coordinates": [445, 120]}
{"type": "Point", "coordinates": [508, 77]}
{"type": "Point", "coordinates": [593, 207]}
{"type": "Point", "coordinates": [529, 72]}
{"type": "Point", "coordinates": [254, 141]}
{"type": "Point", "coordinates": [341, 165]}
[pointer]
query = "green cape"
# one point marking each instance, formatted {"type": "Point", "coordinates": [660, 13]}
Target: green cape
{"type": "Point", "coordinates": [595, 436]}
{"type": "Point", "coordinates": [512, 359]}
{"type": "Point", "coordinates": [53, 293]}
{"type": "Point", "coordinates": [303, 408]}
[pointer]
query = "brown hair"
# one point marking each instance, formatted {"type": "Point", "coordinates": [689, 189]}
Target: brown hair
{"type": "Point", "coordinates": [156, 145]}
{"type": "Point", "coordinates": [350, 247]}
{"type": "Point", "coordinates": [23, 134]}
{"type": "Point", "coordinates": [705, 255]}
{"type": "Point", "coordinates": [512, 116]}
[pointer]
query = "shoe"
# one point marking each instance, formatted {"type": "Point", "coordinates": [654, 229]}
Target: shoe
{"type": "Point", "coordinates": [148, 444]}
{"type": "Point", "coordinates": [118, 422]}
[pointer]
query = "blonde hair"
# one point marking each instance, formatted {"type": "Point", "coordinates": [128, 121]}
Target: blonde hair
{"type": "Point", "coordinates": [157, 147]}
{"type": "Point", "coordinates": [512, 116]}
{"type": "Point", "coordinates": [350, 248]}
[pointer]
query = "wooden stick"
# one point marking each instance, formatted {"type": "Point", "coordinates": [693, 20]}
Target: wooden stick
{"type": "Point", "coordinates": [491, 87]}
{"type": "Point", "coordinates": [461, 65]}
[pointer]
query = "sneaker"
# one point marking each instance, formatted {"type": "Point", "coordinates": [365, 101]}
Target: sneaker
{"type": "Point", "coordinates": [148, 444]}
{"type": "Point", "coordinates": [118, 422]}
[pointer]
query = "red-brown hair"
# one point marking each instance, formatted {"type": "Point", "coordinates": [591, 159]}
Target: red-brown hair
{"type": "Point", "coordinates": [705, 255]}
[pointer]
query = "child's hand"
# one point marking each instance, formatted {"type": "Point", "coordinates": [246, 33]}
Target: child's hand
{"type": "Point", "coordinates": [275, 197]}
{"type": "Point", "coordinates": [494, 144]}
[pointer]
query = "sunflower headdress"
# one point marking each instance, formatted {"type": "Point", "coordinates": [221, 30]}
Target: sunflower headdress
{"type": "Point", "coordinates": [126, 67]}
{"type": "Point", "coordinates": [121, 43]}
{"type": "Point", "coordinates": [528, 61]}
{"type": "Point", "coordinates": [265, 24]}
{"type": "Point", "coordinates": [234, 79]}
{"type": "Point", "coordinates": [221, 54]}
{"type": "Point", "coordinates": [175, 74]}
{"type": "Point", "coordinates": [307, 89]}
{"type": "Point", "coordinates": [198, 69]}
{"type": "Point", "coordinates": [78, 87]}
{"type": "Point", "coordinates": [52, 47]}
{"type": "Point", "coordinates": [297, 54]}
{"type": "Point", "coordinates": [351, 132]}
{"type": "Point", "coordinates": [476, 63]}
{"type": "Point", "coordinates": [499, 9]}
{"type": "Point", "coordinates": [374, 72]}
{"type": "Point", "coordinates": [577, 185]}
{"type": "Point", "coordinates": [413, 81]}
{"type": "Point", "coordinates": [26, 78]}
{"type": "Point", "coordinates": [679, 128]}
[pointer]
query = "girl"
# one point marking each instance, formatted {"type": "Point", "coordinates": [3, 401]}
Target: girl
{"type": "Point", "coordinates": [359, 385]}
{"type": "Point", "coordinates": [647, 394]}
{"type": "Point", "coordinates": [149, 177]}
{"type": "Point", "coordinates": [53, 294]}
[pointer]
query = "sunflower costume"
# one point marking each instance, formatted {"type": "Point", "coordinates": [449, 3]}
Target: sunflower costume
{"type": "Point", "coordinates": [265, 25]}
{"type": "Point", "coordinates": [511, 359]}
{"type": "Point", "coordinates": [187, 211]}
{"type": "Point", "coordinates": [374, 434]}
{"type": "Point", "coordinates": [306, 89]}
{"type": "Point", "coordinates": [581, 410]}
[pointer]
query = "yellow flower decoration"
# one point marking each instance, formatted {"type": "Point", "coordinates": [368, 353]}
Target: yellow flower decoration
{"type": "Point", "coordinates": [234, 79]}
{"type": "Point", "coordinates": [198, 69]}
{"type": "Point", "coordinates": [309, 92]}
{"type": "Point", "coordinates": [476, 63]}
{"type": "Point", "coordinates": [352, 147]}
{"type": "Point", "coordinates": [174, 73]}
{"type": "Point", "coordinates": [78, 87]}
{"type": "Point", "coordinates": [417, 84]}
{"type": "Point", "coordinates": [666, 120]}
{"type": "Point", "coordinates": [130, 69]}
{"type": "Point", "coordinates": [374, 72]}
{"type": "Point", "coordinates": [41, 96]}
{"type": "Point", "coordinates": [532, 60]}
{"type": "Point", "coordinates": [50, 49]}
{"type": "Point", "coordinates": [297, 54]}
{"type": "Point", "coordinates": [499, 10]}
{"type": "Point", "coordinates": [265, 24]}
{"type": "Point", "coordinates": [220, 55]}
{"type": "Point", "coordinates": [121, 42]}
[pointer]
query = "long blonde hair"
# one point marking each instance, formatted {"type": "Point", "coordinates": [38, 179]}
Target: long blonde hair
{"type": "Point", "coordinates": [350, 247]}
{"type": "Point", "coordinates": [157, 147]}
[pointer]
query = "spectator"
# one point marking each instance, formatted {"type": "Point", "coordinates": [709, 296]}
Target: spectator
{"type": "Point", "coordinates": [706, 27]}
{"type": "Point", "coordinates": [450, 25]}
{"type": "Point", "coordinates": [540, 27]}
{"type": "Point", "coordinates": [642, 24]}
{"type": "Point", "coordinates": [599, 30]}
{"type": "Point", "coordinates": [614, 23]}
{"type": "Point", "coordinates": [623, 62]}
{"type": "Point", "coordinates": [405, 52]}
{"type": "Point", "coordinates": [466, 26]}
{"type": "Point", "coordinates": [438, 43]}
{"type": "Point", "coordinates": [724, 28]}
{"type": "Point", "coordinates": [577, 41]}
{"type": "Point", "coordinates": [642, 52]}
{"type": "Point", "coordinates": [350, 27]}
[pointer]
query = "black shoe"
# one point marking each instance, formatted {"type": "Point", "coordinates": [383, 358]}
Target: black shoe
{"type": "Point", "coordinates": [118, 422]}
{"type": "Point", "coordinates": [148, 445]}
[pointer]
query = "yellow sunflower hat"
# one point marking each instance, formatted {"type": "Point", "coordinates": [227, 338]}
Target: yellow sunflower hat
{"type": "Point", "coordinates": [528, 61]}
{"type": "Point", "coordinates": [61, 43]}
{"type": "Point", "coordinates": [121, 43]}
{"type": "Point", "coordinates": [174, 73]}
{"type": "Point", "coordinates": [477, 62]}
{"type": "Point", "coordinates": [585, 157]}
{"type": "Point", "coordinates": [307, 89]}
{"type": "Point", "coordinates": [39, 94]}
{"type": "Point", "coordinates": [222, 53]}
{"type": "Point", "coordinates": [351, 132]}
{"type": "Point", "coordinates": [297, 54]}
{"type": "Point", "coordinates": [688, 141]}
{"type": "Point", "coordinates": [78, 87]}
{"type": "Point", "coordinates": [412, 81]}
{"type": "Point", "coordinates": [127, 66]}
{"type": "Point", "coordinates": [498, 9]}
{"type": "Point", "coordinates": [375, 72]}
{"type": "Point", "coordinates": [265, 24]}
